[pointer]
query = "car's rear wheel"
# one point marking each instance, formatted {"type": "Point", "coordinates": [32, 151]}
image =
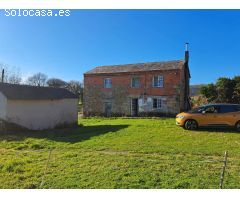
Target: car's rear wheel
{"type": "Point", "coordinates": [238, 126]}
{"type": "Point", "coordinates": [191, 124]}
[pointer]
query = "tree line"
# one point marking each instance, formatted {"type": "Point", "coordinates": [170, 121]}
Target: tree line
{"type": "Point", "coordinates": [12, 75]}
{"type": "Point", "coordinates": [225, 90]}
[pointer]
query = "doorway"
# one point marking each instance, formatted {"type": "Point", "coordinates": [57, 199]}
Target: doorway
{"type": "Point", "coordinates": [108, 109]}
{"type": "Point", "coordinates": [134, 107]}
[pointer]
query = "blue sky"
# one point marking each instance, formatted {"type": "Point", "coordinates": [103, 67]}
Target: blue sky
{"type": "Point", "coordinates": [66, 47]}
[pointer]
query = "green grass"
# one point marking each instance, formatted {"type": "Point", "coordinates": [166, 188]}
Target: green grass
{"type": "Point", "coordinates": [120, 153]}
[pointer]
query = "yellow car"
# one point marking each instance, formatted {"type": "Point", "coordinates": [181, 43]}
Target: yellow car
{"type": "Point", "coordinates": [210, 115]}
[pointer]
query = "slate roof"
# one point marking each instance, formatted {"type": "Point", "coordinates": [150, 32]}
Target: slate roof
{"type": "Point", "coordinates": [138, 67]}
{"type": "Point", "coordinates": [26, 92]}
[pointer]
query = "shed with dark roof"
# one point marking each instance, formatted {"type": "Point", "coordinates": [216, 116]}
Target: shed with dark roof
{"type": "Point", "coordinates": [26, 92]}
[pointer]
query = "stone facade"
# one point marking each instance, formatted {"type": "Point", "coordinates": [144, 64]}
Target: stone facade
{"type": "Point", "coordinates": [122, 98]}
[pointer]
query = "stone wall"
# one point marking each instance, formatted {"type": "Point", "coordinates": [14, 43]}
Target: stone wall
{"type": "Point", "coordinates": [121, 101]}
{"type": "Point", "coordinates": [95, 99]}
{"type": "Point", "coordinates": [173, 104]}
{"type": "Point", "coordinates": [92, 100]}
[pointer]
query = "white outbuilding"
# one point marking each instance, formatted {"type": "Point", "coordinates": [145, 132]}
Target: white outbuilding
{"type": "Point", "coordinates": [37, 108]}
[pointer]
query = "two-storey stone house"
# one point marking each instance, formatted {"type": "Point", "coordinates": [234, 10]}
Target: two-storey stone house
{"type": "Point", "coordinates": [154, 88]}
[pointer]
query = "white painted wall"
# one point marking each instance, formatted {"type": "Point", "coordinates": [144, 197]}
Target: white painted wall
{"type": "Point", "coordinates": [3, 106]}
{"type": "Point", "coordinates": [42, 114]}
{"type": "Point", "coordinates": [147, 105]}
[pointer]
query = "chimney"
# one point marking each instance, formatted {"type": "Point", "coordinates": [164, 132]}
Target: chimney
{"type": "Point", "coordinates": [186, 52]}
{"type": "Point", "coordinates": [2, 75]}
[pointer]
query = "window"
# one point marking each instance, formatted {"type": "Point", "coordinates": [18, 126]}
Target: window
{"type": "Point", "coordinates": [229, 108]}
{"type": "Point", "coordinates": [197, 110]}
{"type": "Point", "coordinates": [158, 81]}
{"type": "Point", "coordinates": [237, 108]}
{"type": "Point", "coordinates": [157, 103]}
{"type": "Point", "coordinates": [107, 83]}
{"type": "Point", "coordinates": [135, 82]}
{"type": "Point", "coordinates": [212, 109]}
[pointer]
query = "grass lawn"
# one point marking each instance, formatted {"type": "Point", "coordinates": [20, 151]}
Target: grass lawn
{"type": "Point", "coordinates": [120, 153]}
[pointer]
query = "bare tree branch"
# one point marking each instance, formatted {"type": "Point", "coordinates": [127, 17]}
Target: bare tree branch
{"type": "Point", "coordinates": [38, 79]}
{"type": "Point", "coordinates": [12, 74]}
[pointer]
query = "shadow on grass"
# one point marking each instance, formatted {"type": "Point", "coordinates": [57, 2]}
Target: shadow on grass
{"type": "Point", "coordinates": [71, 135]}
{"type": "Point", "coordinates": [218, 129]}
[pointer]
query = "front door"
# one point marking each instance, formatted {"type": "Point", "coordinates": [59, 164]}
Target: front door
{"type": "Point", "coordinates": [210, 116]}
{"type": "Point", "coordinates": [134, 107]}
{"type": "Point", "coordinates": [108, 108]}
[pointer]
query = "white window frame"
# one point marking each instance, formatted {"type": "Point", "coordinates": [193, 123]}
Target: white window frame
{"type": "Point", "coordinates": [132, 82]}
{"type": "Point", "coordinates": [107, 83]}
{"type": "Point", "coordinates": [160, 81]}
{"type": "Point", "coordinates": [159, 103]}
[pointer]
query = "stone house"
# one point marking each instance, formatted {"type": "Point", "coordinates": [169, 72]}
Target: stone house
{"type": "Point", "coordinates": [154, 88]}
{"type": "Point", "coordinates": [36, 108]}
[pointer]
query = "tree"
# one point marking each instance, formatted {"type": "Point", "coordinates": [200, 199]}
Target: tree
{"type": "Point", "coordinates": [15, 79]}
{"type": "Point", "coordinates": [57, 83]}
{"type": "Point", "coordinates": [210, 92]}
{"type": "Point", "coordinates": [76, 88]}
{"type": "Point", "coordinates": [225, 89]}
{"type": "Point", "coordinates": [198, 100]}
{"type": "Point", "coordinates": [11, 74]}
{"type": "Point", "coordinates": [38, 79]}
{"type": "Point", "coordinates": [236, 93]}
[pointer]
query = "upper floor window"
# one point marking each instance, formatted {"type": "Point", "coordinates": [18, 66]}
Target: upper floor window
{"type": "Point", "coordinates": [135, 82]}
{"type": "Point", "coordinates": [158, 81]}
{"type": "Point", "coordinates": [107, 83]}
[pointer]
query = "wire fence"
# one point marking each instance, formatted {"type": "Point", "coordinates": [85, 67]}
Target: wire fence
{"type": "Point", "coordinates": [76, 168]}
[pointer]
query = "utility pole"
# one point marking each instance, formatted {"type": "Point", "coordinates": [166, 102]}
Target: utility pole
{"type": "Point", "coordinates": [2, 75]}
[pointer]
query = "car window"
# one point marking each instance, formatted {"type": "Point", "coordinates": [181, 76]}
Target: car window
{"type": "Point", "coordinates": [197, 110]}
{"type": "Point", "coordinates": [212, 109]}
{"type": "Point", "coordinates": [238, 108]}
{"type": "Point", "coordinates": [228, 108]}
